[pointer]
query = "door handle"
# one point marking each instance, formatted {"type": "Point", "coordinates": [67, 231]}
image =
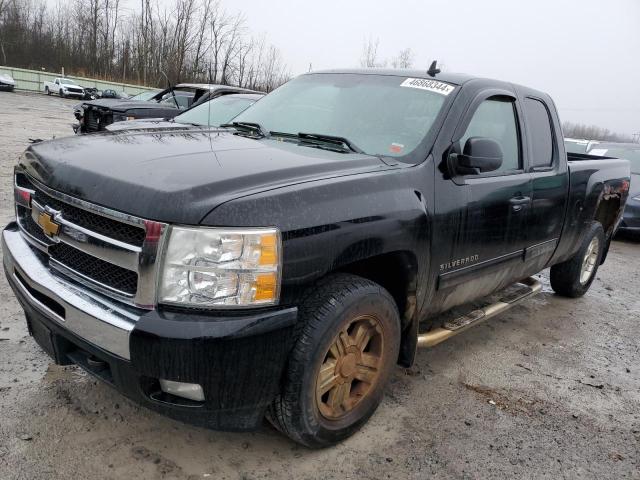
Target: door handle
{"type": "Point", "coordinates": [518, 203]}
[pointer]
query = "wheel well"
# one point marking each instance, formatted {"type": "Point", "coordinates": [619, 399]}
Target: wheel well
{"type": "Point", "coordinates": [607, 213]}
{"type": "Point", "coordinates": [396, 272]}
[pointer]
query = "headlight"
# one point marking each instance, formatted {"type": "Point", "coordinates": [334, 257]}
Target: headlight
{"type": "Point", "coordinates": [221, 267]}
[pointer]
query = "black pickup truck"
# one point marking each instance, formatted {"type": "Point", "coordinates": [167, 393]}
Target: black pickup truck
{"type": "Point", "coordinates": [285, 266]}
{"type": "Point", "coordinates": [96, 115]}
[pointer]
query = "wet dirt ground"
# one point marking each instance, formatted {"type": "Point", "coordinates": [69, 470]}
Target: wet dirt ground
{"type": "Point", "coordinates": [549, 390]}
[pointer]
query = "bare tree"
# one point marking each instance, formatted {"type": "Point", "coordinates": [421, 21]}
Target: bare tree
{"type": "Point", "coordinates": [186, 40]}
{"type": "Point", "coordinates": [369, 58]}
{"type": "Point", "coordinates": [593, 132]}
{"type": "Point", "coordinates": [404, 59]}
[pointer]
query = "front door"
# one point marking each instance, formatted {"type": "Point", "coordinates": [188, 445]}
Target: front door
{"type": "Point", "coordinates": [481, 220]}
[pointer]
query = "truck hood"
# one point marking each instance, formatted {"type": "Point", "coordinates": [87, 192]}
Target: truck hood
{"type": "Point", "coordinates": [118, 105]}
{"type": "Point", "coordinates": [180, 176]}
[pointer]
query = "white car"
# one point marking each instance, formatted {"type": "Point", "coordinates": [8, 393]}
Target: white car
{"type": "Point", "coordinates": [64, 87]}
{"type": "Point", "coordinates": [7, 82]}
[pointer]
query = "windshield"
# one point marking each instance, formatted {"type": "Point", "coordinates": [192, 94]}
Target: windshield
{"type": "Point", "coordinates": [215, 112]}
{"type": "Point", "coordinates": [380, 114]}
{"type": "Point", "coordinates": [181, 98]}
{"type": "Point", "coordinates": [67, 81]}
{"type": "Point", "coordinates": [144, 96]}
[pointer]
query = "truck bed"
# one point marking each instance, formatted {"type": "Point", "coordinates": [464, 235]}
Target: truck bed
{"type": "Point", "coordinates": [592, 178]}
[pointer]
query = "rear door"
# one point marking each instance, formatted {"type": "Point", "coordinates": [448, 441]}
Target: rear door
{"type": "Point", "coordinates": [549, 179]}
{"type": "Point", "coordinates": [481, 220]}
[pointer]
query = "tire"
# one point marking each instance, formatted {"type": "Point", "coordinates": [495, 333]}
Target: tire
{"type": "Point", "coordinates": [340, 310]}
{"type": "Point", "coordinates": [573, 277]}
{"type": "Point", "coordinates": [61, 93]}
{"type": "Point", "coordinates": [47, 91]}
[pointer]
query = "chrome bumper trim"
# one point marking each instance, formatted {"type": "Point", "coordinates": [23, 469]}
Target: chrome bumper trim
{"type": "Point", "coordinates": [89, 316]}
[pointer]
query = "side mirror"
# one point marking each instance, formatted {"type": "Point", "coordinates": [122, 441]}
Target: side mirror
{"type": "Point", "coordinates": [479, 155]}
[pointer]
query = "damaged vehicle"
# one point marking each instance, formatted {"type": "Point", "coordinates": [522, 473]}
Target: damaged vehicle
{"type": "Point", "coordinates": [91, 93]}
{"type": "Point", "coordinates": [285, 266]}
{"type": "Point", "coordinates": [94, 116]}
{"type": "Point", "coordinates": [213, 113]}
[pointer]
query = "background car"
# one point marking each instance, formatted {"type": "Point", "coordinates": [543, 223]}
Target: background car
{"type": "Point", "coordinates": [110, 93]}
{"type": "Point", "coordinates": [574, 145]}
{"type": "Point", "coordinates": [7, 82]}
{"type": "Point", "coordinates": [64, 87]}
{"type": "Point", "coordinates": [95, 115]}
{"type": "Point", "coordinates": [213, 113]}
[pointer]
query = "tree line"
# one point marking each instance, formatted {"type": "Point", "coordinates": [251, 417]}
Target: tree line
{"type": "Point", "coordinates": [593, 132]}
{"type": "Point", "coordinates": [191, 40]}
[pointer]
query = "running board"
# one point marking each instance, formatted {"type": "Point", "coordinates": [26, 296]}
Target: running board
{"type": "Point", "coordinates": [511, 297]}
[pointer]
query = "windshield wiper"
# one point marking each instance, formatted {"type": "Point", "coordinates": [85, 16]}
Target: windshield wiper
{"type": "Point", "coordinates": [332, 140]}
{"type": "Point", "coordinates": [254, 128]}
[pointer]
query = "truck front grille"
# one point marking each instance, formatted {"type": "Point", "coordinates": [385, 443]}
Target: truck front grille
{"type": "Point", "coordinates": [97, 223]}
{"type": "Point", "coordinates": [102, 249]}
{"type": "Point", "coordinates": [96, 119]}
{"type": "Point", "coordinates": [91, 120]}
{"type": "Point", "coordinates": [105, 273]}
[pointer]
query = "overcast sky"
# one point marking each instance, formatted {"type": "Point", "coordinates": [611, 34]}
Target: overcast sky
{"type": "Point", "coordinates": [585, 53]}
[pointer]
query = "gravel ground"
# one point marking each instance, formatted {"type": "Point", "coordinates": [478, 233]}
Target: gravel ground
{"type": "Point", "coordinates": [549, 390]}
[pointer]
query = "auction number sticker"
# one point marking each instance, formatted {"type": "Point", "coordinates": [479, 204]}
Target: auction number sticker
{"type": "Point", "coordinates": [430, 85]}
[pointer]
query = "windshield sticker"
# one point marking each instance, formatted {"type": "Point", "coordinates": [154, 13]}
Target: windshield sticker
{"type": "Point", "coordinates": [396, 148]}
{"type": "Point", "coordinates": [430, 85]}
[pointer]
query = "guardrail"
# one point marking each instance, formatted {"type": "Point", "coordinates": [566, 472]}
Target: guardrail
{"type": "Point", "coordinates": [32, 81]}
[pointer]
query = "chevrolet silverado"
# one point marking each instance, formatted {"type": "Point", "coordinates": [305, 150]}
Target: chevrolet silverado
{"type": "Point", "coordinates": [284, 266]}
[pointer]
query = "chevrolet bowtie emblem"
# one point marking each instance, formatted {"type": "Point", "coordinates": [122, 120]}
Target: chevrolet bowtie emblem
{"type": "Point", "coordinates": [49, 227]}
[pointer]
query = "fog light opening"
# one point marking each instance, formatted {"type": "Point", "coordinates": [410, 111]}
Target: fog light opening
{"type": "Point", "coordinates": [190, 391]}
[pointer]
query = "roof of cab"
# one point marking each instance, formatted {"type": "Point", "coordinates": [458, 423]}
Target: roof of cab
{"type": "Point", "coordinates": [454, 78]}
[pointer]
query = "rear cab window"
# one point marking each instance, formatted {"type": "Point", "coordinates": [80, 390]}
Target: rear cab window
{"type": "Point", "coordinates": [541, 135]}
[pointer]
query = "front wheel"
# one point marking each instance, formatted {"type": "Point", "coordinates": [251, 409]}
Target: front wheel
{"type": "Point", "coordinates": [345, 352]}
{"type": "Point", "coordinates": [61, 93]}
{"type": "Point", "coordinates": [573, 277]}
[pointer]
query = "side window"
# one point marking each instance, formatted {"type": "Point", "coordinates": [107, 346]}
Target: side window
{"type": "Point", "coordinates": [495, 118]}
{"type": "Point", "coordinates": [57, 81]}
{"type": "Point", "coordinates": [539, 127]}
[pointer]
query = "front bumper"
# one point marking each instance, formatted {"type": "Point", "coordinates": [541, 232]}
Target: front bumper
{"type": "Point", "coordinates": [238, 360]}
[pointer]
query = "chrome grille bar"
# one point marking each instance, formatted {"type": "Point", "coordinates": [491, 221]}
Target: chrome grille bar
{"type": "Point", "coordinates": [96, 244]}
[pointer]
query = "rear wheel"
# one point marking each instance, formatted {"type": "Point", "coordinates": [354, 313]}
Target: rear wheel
{"type": "Point", "coordinates": [46, 90]}
{"type": "Point", "coordinates": [345, 352]}
{"type": "Point", "coordinates": [574, 277]}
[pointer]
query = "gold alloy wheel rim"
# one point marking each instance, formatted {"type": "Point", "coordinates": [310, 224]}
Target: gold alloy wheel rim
{"type": "Point", "coordinates": [351, 367]}
{"type": "Point", "coordinates": [589, 261]}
